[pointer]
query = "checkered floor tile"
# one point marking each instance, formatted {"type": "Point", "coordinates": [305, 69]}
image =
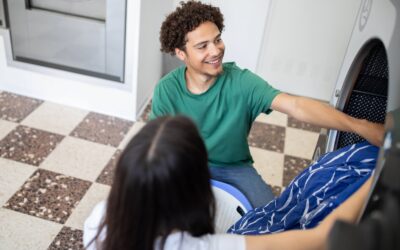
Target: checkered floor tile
{"type": "Point", "coordinates": [57, 162]}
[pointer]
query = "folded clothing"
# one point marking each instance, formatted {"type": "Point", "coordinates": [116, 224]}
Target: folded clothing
{"type": "Point", "coordinates": [314, 193]}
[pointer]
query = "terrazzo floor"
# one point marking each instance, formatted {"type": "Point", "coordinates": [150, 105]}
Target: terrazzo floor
{"type": "Point", "coordinates": [56, 164]}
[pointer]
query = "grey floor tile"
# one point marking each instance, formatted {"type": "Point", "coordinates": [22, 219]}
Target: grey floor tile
{"type": "Point", "coordinates": [102, 129]}
{"type": "Point", "coordinates": [28, 145]}
{"type": "Point", "coordinates": [48, 195]}
{"type": "Point", "coordinates": [16, 107]}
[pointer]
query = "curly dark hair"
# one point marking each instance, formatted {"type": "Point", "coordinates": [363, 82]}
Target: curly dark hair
{"type": "Point", "coordinates": [187, 17]}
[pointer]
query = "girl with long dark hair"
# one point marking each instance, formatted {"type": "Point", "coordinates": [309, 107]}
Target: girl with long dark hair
{"type": "Point", "coordinates": [161, 198]}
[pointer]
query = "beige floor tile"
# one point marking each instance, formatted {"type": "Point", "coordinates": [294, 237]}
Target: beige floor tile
{"type": "Point", "coordinates": [6, 127]}
{"type": "Point", "coordinates": [55, 118]}
{"type": "Point", "coordinates": [300, 143]}
{"type": "Point", "coordinates": [12, 175]}
{"type": "Point", "coordinates": [132, 132]}
{"type": "Point", "coordinates": [275, 118]}
{"type": "Point", "coordinates": [79, 158]}
{"type": "Point", "coordinates": [24, 232]}
{"type": "Point", "coordinates": [269, 165]}
{"type": "Point", "coordinates": [96, 193]}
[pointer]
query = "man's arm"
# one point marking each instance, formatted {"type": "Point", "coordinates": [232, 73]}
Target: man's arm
{"type": "Point", "coordinates": [323, 115]}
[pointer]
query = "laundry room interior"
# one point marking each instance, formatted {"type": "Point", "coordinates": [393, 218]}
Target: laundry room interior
{"type": "Point", "coordinates": [81, 81]}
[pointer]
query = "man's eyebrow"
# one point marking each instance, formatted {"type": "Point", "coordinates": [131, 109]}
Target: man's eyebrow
{"type": "Point", "coordinates": [200, 44]}
{"type": "Point", "coordinates": [205, 42]}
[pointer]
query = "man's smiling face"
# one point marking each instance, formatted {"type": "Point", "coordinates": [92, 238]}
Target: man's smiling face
{"type": "Point", "coordinates": [204, 50]}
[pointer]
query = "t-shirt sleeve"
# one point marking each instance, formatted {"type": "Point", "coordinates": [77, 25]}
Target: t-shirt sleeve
{"type": "Point", "coordinates": [227, 241]}
{"type": "Point", "coordinates": [157, 108]}
{"type": "Point", "coordinates": [259, 93]}
{"type": "Point", "coordinates": [92, 224]}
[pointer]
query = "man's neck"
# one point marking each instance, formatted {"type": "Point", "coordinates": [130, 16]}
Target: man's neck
{"type": "Point", "coordinates": [198, 83]}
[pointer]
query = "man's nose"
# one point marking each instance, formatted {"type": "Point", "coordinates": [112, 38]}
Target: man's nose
{"type": "Point", "coordinates": [214, 49]}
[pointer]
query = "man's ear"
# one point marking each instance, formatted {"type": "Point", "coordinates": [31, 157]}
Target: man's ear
{"type": "Point", "coordinates": [180, 54]}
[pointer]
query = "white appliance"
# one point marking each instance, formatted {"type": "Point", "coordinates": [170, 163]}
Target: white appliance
{"type": "Point", "coordinates": [82, 36]}
{"type": "Point", "coordinates": [141, 59]}
{"type": "Point", "coordinates": [370, 67]}
{"type": "Point", "coordinates": [368, 86]}
{"type": "Point", "coordinates": [304, 43]}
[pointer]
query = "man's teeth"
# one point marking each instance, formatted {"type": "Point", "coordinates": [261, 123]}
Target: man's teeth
{"type": "Point", "coordinates": [213, 62]}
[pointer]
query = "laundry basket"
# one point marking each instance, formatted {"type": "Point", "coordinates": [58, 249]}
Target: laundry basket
{"type": "Point", "coordinates": [231, 204]}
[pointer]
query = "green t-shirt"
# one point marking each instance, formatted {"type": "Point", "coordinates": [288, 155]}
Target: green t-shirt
{"type": "Point", "coordinates": [223, 114]}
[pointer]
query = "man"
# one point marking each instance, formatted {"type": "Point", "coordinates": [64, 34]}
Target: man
{"type": "Point", "coordinates": [224, 100]}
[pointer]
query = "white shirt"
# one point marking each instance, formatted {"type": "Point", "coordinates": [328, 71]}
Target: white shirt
{"type": "Point", "coordinates": [175, 241]}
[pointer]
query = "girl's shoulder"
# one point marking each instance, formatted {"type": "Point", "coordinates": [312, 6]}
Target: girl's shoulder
{"type": "Point", "coordinates": [92, 224]}
{"type": "Point", "coordinates": [183, 240]}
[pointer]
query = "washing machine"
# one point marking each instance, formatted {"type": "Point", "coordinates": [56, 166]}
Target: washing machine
{"type": "Point", "coordinates": [370, 65]}
{"type": "Point", "coordinates": [368, 87]}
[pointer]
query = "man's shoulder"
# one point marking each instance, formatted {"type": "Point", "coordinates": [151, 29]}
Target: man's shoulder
{"type": "Point", "coordinates": [169, 86]}
{"type": "Point", "coordinates": [173, 77]}
{"type": "Point", "coordinates": [232, 69]}
{"type": "Point", "coordinates": [241, 76]}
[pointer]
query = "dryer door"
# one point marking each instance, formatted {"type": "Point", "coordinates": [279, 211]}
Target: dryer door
{"type": "Point", "coordinates": [363, 95]}
{"type": "Point", "coordinates": [367, 97]}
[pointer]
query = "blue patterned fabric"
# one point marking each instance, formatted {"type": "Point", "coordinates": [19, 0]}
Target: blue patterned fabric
{"type": "Point", "coordinates": [314, 193]}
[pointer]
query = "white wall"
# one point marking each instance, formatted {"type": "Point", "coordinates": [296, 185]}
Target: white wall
{"type": "Point", "coordinates": [150, 56]}
{"type": "Point", "coordinates": [244, 27]}
{"type": "Point", "coordinates": [301, 53]}
{"type": "Point", "coordinates": [304, 45]}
